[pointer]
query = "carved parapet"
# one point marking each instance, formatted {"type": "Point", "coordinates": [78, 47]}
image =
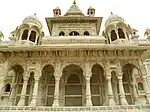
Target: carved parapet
{"type": "Point", "coordinates": [130, 108]}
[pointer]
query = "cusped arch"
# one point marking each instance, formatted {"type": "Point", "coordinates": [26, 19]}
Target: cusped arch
{"type": "Point", "coordinates": [97, 68]}
{"type": "Point", "coordinates": [110, 27]}
{"type": "Point", "coordinates": [67, 64]}
{"type": "Point", "coordinates": [121, 25]}
{"type": "Point", "coordinates": [23, 26]}
{"type": "Point", "coordinates": [17, 67]}
{"type": "Point", "coordinates": [48, 68]}
{"type": "Point", "coordinates": [36, 28]}
{"type": "Point", "coordinates": [45, 64]}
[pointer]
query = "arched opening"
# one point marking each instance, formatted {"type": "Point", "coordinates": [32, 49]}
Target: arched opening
{"type": "Point", "coordinates": [127, 83]}
{"type": "Point", "coordinates": [86, 33]}
{"type": "Point", "coordinates": [74, 33]}
{"type": "Point", "coordinates": [18, 82]}
{"type": "Point", "coordinates": [140, 86]}
{"type": "Point", "coordinates": [121, 33]}
{"type": "Point", "coordinates": [72, 86]}
{"type": "Point", "coordinates": [30, 87]}
{"type": "Point", "coordinates": [98, 85]}
{"type": "Point", "coordinates": [113, 35]}
{"type": "Point", "coordinates": [61, 33]}
{"type": "Point", "coordinates": [46, 86]}
{"type": "Point", "coordinates": [25, 34]}
{"type": "Point", "coordinates": [115, 86]}
{"type": "Point", "coordinates": [32, 36]}
{"type": "Point", "coordinates": [7, 88]}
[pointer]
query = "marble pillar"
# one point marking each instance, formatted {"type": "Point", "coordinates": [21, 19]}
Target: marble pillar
{"type": "Point", "coordinates": [56, 92]}
{"type": "Point", "coordinates": [88, 91]}
{"type": "Point", "coordinates": [35, 91]}
{"type": "Point", "coordinates": [23, 92]}
{"type": "Point", "coordinates": [146, 89]}
{"type": "Point", "coordinates": [110, 92]}
{"type": "Point", "coordinates": [123, 100]}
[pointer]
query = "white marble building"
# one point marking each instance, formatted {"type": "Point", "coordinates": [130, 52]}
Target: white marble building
{"type": "Point", "coordinates": [74, 69]}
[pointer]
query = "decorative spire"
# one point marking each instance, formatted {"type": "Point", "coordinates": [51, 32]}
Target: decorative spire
{"type": "Point", "coordinates": [34, 14]}
{"type": "Point", "coordinates": [74, 2]}
{"type": "Point", "coordinates": [111, 13]}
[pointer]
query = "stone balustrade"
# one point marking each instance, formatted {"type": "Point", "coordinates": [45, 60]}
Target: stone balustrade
{"type": "Point", "coordinates": [129, 108]}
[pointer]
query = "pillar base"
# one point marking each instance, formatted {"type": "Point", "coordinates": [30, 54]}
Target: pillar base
{"type": "Point", "coordinates": [111, 102]}
{"type": "Point", "coordinates": [123, 100]}
{"type": "Point", "coordinates": [89, 103]}
{"type": "Point", "coordinates": [21, 102]}
{"type": "Point", "coordinates": [55, 103]}
{"type": "Point", "coordinates": [33, 102]}
{"type": "Point", "coordinates": [148, 98]}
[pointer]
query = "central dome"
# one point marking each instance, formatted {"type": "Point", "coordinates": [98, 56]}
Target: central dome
{"type": "Point", "coordinates": [113, 18]}
{"type": "Point", "coordinates": [33, 19]}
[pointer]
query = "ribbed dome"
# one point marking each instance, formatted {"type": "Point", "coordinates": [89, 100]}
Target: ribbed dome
{"type": "Point", "coordinates": [113, 18]}
{"type": "Point", "coordinates": [33, 19]}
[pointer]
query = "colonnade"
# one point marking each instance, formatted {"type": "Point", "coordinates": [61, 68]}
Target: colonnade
{"type": "Point", "coordinates": [87, 75]}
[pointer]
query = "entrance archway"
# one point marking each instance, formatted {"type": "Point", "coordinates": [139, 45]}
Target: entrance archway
{"type": "Point", "coordinates": [97, 85]}
{"type": "Point", "coordinates": [127, 82]}
{"type": "Point", "coordinates": [46, 86]}
{"type": "Point", "coordinates": [72, 86]}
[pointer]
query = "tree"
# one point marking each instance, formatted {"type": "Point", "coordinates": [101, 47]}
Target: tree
{"type": "Point", "coordinates": [147, 33]}
{"type": "Point", "coordinates": [1, 35]}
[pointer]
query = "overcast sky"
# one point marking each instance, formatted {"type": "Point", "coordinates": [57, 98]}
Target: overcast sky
{"type": "Point", "coordinates": [135, 12]}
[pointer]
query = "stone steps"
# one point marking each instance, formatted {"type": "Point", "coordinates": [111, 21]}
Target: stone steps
{"type": "Point", "coordinates": [145, 108]}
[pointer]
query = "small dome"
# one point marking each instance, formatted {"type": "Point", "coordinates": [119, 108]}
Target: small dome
{"type": "Point", "coordinates": [113, 18]}
{"type": "Point", "coordinates": [33, 19]}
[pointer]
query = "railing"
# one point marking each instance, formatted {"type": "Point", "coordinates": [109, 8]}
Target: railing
{"type": "Point", "coordinates": [129, 108]}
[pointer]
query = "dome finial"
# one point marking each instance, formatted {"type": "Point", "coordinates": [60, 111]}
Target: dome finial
{"type": "Point", "coordinates": [74, 2]}
{"type": "Point", "coordinates": [111, 13]}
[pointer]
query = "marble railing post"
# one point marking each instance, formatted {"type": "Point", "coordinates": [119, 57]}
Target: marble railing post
{"type": "Point", "coordinates": [123, 100]}
{"type": "Point", "coordinates": [56, 93]}
{"type": "Point", "coordinates": [88, 91]}
{"type": "Point", "coordinates": [110, 92]}
{"type": "Point", "coordinates": [35, 92]}
{"type": "Point", "coordinates": [23, 92]}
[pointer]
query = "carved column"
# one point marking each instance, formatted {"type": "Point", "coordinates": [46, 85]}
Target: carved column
{"type": "Point", "coordinates": [116, 31]}
{"type": "Point", "coordinates": [110, 92]}
{"type": "Point", "coordinates": [88, 88]}
{"type": "Point", "coordinates": [109, 86]}
{"type": "Point", "coordinates": [57, 75]}
{"type": "Point", "coordinates": [144, 76]}
{"type": "Point", "coordinates": [37, 36]}
{"type": "Point", "coordinates": [23, 92]}
{"type": "Point", "coordinates": [12, 95]}
{"type": "Point", "coordinates": [146, 89]}
{"type": "Point", "coordinates": [35, 91]}
{"type": "Point", "coordinates": [135, 95]}
{"type": "Point", "coordinates": [88, 91]}
{"type": "Point", "coordinates": [2, 83]}
{"type": "Point", "coordinates": [56, 93]}
{"type": "Point", "coordinates": [123, 100]}
{"type": "Point", "coordinates": [29, 32]}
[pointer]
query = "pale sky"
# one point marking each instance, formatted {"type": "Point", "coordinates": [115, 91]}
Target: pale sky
{"type": "Point", "coordinates": [135, 12]}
